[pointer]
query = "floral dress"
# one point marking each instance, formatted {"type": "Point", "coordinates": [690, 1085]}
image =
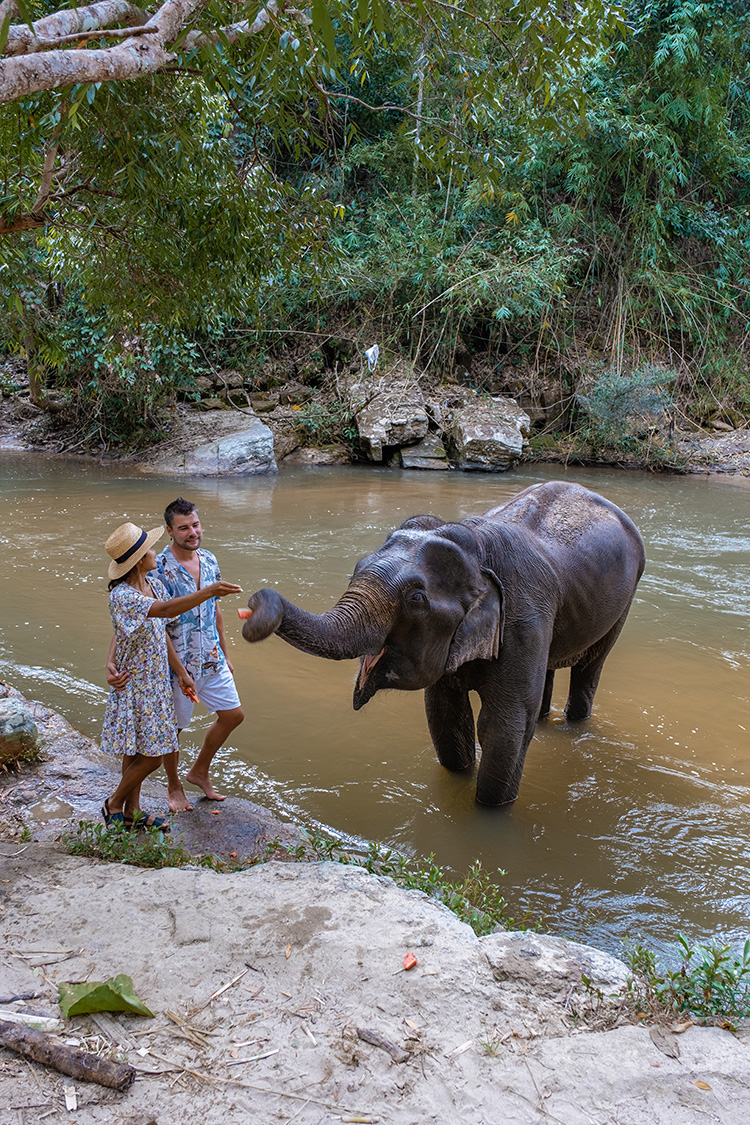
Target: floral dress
{"type": "Point", "coordinates": [140, 719]}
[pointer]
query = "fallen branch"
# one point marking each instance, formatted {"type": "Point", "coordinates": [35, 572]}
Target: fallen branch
{"type": "Point", "coordinates": [78, 1064]}
{"type": "Point", "coordinates": [398, 1054]}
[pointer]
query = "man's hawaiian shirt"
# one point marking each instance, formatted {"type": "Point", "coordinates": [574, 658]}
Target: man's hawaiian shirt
{"type": "Point", "coordinates": [194, 634]}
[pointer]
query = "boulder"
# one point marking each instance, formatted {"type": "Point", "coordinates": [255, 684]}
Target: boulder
{"type": "Point", "coordinates": [212, 403]}
{"type": "Point", "coordinates": [488, 434]}
{"type": "Point", "coordinates": [427, 454]}
{"type": "Point", "coordinates": [294, 394]}
{"type": "Point", "coordinates": [549, 964]}
{"type": "Point", "coordinates": [329, 455]}
{"type": "Point", "coordinates": [264, 403]}
{"type": "Point", "coordinates": [230, 378]}
{"type": "Point", "coordinates": [395, 415]}
{"type": "Point", "coordinates": [240, 454]}
{"type": "Point", "coordinates": [18, 731]}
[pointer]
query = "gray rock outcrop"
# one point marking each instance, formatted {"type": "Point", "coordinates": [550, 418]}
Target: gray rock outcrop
{"type": "Point", "coordinates": [396, 415]}
{"type": "Point", "coordinates": [18, 731]}
{"type": "Point", "coordinates": [488, 435]}
{"type": "Point", "coordinates": [240, 454]}
{"type": "Point", "coordinates": [427, 454]}
{"type": "Point", "coordinates": [283, 989]}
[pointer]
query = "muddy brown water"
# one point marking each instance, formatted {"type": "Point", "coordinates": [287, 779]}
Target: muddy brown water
{"type": "Point", "coordinates": [632, 826]}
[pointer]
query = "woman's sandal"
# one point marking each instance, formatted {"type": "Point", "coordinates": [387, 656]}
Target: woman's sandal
{"type": "Point", "coordinates": [112, 819]}
{"type": "Point", "coordinates": [140, 821]}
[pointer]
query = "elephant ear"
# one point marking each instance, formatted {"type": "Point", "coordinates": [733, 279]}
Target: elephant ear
{"type": "Point", "coordinates": [480, 634]}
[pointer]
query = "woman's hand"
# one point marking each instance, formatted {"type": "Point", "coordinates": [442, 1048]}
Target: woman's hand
{"type": "Point", "coordinates": [117, 680]}
{"type": "Point", "coordinates": [221, 589]}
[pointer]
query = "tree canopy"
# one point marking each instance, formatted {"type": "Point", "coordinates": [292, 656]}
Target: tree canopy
{"type": "Point", "coordinates": [545, 179]}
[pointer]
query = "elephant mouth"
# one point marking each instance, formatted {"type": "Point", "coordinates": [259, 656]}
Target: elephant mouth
{"type": "Point", "coordinates": [362, 690]}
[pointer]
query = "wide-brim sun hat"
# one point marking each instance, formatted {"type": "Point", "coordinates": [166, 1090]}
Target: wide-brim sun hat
{"type": "Point", "coordinates": [127, 545]}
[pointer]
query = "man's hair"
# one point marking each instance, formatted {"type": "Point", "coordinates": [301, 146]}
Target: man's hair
{"type": "Point", "coordinates": [178, 507]}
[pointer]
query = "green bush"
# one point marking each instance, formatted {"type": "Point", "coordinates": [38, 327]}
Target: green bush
{"type": "Point", "coordinates": [619, 409]}
{"type": "Point", "coordinates": [327, 423]}
{"type": "Point", "coordinates": [149, 847]}
{"type": "Point", "coordinates": [709, 981]}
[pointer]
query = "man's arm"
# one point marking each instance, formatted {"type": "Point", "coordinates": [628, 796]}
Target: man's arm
{"type": "Point", "coordinates": [115, 678]}
{"type": "Point", "coordinates": [184, 679]}
{"type": "Point", "coordinates": [222, 638]}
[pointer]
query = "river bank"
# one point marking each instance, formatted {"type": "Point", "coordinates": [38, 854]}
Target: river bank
{"type": "Point", "coordinates": [26, 428]}
{"type": "Point", "coordinates": [279, 992]}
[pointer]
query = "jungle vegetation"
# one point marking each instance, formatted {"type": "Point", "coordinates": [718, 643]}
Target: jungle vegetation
{"type": "Point", "coordinates": [531, 192]}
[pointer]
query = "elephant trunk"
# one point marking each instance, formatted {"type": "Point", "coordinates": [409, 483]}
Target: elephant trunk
{"type": "Point", "coordinates": [352, 628]}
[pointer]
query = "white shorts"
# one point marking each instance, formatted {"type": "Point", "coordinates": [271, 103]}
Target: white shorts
{"type": "Point", "coordinates": [216, 691]}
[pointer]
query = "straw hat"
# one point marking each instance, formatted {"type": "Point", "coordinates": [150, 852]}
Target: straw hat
{"type": "Point", "coordinates": [127, 545]}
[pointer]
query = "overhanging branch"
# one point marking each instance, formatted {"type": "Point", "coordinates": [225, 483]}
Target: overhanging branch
{"type": "Point", "coordinates": [31, 66]}
{"type": "Point", "coordinates": [59, 26]}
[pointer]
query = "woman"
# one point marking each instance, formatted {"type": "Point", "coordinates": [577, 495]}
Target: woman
{"type": "Point", "coordinates": [139, 722]}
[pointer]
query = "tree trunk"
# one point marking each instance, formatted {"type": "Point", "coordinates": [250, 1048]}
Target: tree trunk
{"type": "Point", "coordinates": [34, 370]}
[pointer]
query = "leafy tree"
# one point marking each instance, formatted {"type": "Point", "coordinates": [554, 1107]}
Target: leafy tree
{"type": "Point", "coordinates": [162, 164]}
{"type": "Point", "coordinates": [655, 192]}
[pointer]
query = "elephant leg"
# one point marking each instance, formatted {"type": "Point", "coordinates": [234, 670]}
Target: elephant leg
{"type": "Point", "coordinates": [584, 676]}
{"type": "Point", "coordinates": [549, 683]}
{"type": "Point", "coordinates": [451, 723]}
{"type": "Point", "coordinates": [508, 716]}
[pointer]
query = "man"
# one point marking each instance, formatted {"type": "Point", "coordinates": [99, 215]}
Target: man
{"type": "Point", "coordinates": [200, 650]}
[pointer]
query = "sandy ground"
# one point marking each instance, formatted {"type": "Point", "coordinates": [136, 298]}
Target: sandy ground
{"type": "Point", "coordinates": [263, 981]}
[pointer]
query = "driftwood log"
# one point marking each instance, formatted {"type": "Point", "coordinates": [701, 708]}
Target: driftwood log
{"type": "Point", "coordinates": [398, 1054]}
{"type": "Point", "coordinates": [45, 1049]}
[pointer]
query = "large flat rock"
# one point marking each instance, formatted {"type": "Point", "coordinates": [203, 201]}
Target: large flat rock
{"type": "Point", "coordinates": [275, 970]}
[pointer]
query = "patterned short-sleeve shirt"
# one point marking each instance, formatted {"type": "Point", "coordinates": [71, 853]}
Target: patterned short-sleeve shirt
{"type": "Point", "coordinates": [194, 634]}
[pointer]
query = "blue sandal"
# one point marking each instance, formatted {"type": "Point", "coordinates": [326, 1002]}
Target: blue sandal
{"type": "Point", "coordinates": [141, 822]}
{"type": "Point", "coordinates": [112, 819]}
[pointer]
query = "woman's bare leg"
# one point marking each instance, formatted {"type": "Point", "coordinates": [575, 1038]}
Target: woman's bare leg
{"type": "Point", "coordinates": [135, 769]}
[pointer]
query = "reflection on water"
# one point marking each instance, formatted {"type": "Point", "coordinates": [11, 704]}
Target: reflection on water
{"type": "Point", "coordinates": [633, 824]}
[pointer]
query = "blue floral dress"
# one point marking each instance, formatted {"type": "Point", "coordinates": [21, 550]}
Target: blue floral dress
{"type": "Point", "coordinates": [140, 719]}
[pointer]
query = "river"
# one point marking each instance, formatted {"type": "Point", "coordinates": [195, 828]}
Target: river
{"type": "Point", "coordinates": [629, 827]}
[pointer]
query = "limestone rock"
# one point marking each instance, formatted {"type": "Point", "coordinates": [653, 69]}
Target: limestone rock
{"type": "Point", "coordinates": [294, 394]}
{"type": "Point", "coordinates": [240, 454]}
{"type": "Point", "coordinates": [549, 964]}
{"type": "Point", "coordinates": [18, 731]}
{"type": "Point", "coordinates": [394, 416]}
{"type": "Point", "coordinates": [212, 403]}
{"type": "Point", "coordinates": [488, 435]}
{"type": "Point", "coordinates": [427, 454]}
{"type": "Point", "coordinates": [264, 403]}
{"type": "Point", "coordinates": [329, 455]}
{"type": "Point", "coordinates": [231, 379]}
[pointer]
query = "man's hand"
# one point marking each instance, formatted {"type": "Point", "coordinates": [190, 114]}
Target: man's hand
{"type": "Point", "coordinates": [187, 686]}
{"type": "Point", "coordinates": [117, 680]}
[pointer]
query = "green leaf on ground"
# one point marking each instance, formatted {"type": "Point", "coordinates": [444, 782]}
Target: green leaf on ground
{"type": "Point", "coordinates": [114, 995]}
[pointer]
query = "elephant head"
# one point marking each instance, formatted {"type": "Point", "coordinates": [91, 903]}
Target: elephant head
{"type": "Point", "coordinates": [417, 608]}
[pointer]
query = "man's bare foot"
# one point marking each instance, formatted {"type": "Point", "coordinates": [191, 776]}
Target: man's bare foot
{"type": "Point", "coordinates": [177, 800]}
{"type": "Point", "coordinates": [204, 784]}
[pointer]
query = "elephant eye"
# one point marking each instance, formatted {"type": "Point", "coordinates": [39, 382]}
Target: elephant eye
{"type": "Point", "coordinates": [418, 598]}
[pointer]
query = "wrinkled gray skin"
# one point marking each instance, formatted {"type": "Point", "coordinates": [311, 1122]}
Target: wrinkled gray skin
{"type": "Point", "coordinates": [494, 604]}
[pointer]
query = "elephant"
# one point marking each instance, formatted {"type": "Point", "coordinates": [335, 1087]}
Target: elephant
{"type": "Point", "coordinates": [494, 604]}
